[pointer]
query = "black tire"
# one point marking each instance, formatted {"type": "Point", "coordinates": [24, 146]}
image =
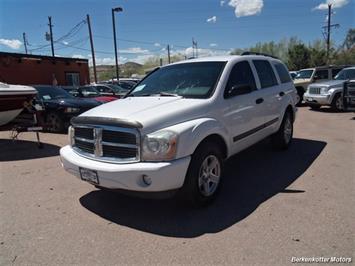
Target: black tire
{"type": "Point", "coordinates": [337, 103]}
{"type": "Point", "coordinates": [193, 191]}
{"type": "Point", "coordinates": [54, 123]}
{"type": "Point", "coordinates": [282, 139]}
{"type": "Point", "coordinates": [315, 107]}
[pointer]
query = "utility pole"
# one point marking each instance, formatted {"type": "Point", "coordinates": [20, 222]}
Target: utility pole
{"type": "Point", "coordinates": [194, 48]}
{"type": "Point", "coordinates": [328, 30]}
{"type": "Point", "coordinates": [51, 33]}
{"type": "Point", "coordinates": [168, 53]}
{"type": "Point", "coordinates": [24, 41]}
{"type": "Point", "coordinates": [117, 9]}
{"type": "Point", "coordinates": [92, 47]}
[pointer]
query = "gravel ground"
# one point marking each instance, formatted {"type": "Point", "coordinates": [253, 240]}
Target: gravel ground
{"type": "Point", "coordinates": [273, 206]}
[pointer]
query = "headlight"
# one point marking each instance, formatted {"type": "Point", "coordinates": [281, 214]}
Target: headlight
{"type": "Point", "coordinates": [71, 110]}
{"type": "Point", "coordinates": [324, 90]}
{"type": "Point", "coordinates": [71, 136]}
{"type": "Point", "coordinates": [159, 146]}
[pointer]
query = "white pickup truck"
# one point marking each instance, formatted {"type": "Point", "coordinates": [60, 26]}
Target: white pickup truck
{"type": "Point", "coordinates": [175, 129]}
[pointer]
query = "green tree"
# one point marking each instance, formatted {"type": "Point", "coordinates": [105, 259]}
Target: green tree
{"type": "Point", "coordinates": [298, 57]}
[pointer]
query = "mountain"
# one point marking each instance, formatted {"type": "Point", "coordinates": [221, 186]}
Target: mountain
{"type": "Point", "coordinates": [105, 72]}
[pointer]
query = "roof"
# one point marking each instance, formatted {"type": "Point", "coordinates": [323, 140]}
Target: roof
{"type": "Point", "coordinates": [324, 67]}
{"type": "Point", "coordinates": [46, 57]}
{"type": "Point", "coordinates": [225, 58]}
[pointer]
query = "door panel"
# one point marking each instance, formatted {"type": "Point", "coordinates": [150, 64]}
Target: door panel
{"type": "Point", "coordinates": [242, 115]}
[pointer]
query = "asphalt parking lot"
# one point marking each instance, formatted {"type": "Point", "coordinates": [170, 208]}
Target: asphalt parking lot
{"type": "Point", "coordinates": [273, 206]}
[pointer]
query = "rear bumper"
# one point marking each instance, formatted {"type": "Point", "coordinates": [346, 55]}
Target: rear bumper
{"type": "Point", "coordinates": [317, 99]}
{"type": "Point", "coordinates": [164, 176]}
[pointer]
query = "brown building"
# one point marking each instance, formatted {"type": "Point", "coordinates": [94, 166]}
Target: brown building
{"type": "Point", "coordinates": [28, 69]}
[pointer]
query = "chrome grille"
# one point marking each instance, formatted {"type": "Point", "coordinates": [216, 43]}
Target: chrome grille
{"type": "Point", "coordinates": [314, 90]}
{"type": "Point", "coordinates": [107, 143]}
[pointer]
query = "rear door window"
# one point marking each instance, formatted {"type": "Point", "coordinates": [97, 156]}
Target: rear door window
{"type": "Point", "coordinates": [282, 72]}
{"type": "Point", "coordinates": [266, 73]}
{"type": "Point", "coordinates": [322, 74]}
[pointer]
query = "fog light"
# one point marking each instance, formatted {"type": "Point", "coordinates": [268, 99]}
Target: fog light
{"type": "Point", "coordinates": [147, 180]}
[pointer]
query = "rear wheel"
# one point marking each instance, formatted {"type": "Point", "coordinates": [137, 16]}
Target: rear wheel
{"type": "Point", "coordinates": [54, 123]}
{"type": "Point", "coordinates": [283, 137]}
{"type": "Point", "coordinates": [337, 103]}
{"type": "Point", "coordinates": [204, 175]}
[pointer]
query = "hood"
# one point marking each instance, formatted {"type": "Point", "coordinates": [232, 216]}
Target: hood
{"type": "Point", "coordinates": [301, 81]}
{"type": "Point", "coordinates": [74, 102]}
{"type": "Point", "coordinates": [152, 112]}
{"type": "Point", "coordinates": [329, 84]}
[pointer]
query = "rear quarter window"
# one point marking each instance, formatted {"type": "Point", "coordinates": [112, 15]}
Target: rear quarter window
{"type": "Point", "coordinates": [266, 73]}
{"type": "Point", "coordinates": [282, 72]}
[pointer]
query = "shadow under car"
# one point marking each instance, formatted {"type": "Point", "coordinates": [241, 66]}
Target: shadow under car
{"type": "Point", "coordinates": [251, 177]}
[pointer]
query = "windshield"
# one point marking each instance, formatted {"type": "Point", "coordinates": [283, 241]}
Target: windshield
{"type": "Point", "coordinates": [192, 80]}
{"type": "Point", "coordinates": [89, 91]}
{"type": "Point", "coordinates": [117, 88]}
{"type": "Point", "coordinates": [345, 74]}
{"type": "Point", "coordinates": [48, 93]}
{"type": "Point", "coordinates": [304, 74]}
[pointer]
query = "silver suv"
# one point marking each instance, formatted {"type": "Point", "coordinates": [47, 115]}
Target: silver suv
{"type": "Point", "coordinates": [329, 92]}
{"type": "Point", "coordinates": [308, 76]}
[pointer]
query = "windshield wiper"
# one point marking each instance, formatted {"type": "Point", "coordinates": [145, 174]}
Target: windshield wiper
{"type": "Point", "coordinates": [162, 93]}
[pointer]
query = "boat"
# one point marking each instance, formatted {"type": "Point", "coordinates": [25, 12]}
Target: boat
{"type": "Point", "coordinates": [13, 99]}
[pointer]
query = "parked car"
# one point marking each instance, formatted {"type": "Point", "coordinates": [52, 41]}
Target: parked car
{"type": "Point", "coordinates": [174, 131]}
{"type": "Point", "coordinates": [110, 90]}
{"type": "Point", "coordinates": [308, 76]}
{"type": "Point", "coordinates": [89, 91]}
{"type": "Point", "coordinates": [329, 92]}
{"type": "Point", "coordinates": [293, 74]}
{"type": "Point", "coordinates": [60, 106]}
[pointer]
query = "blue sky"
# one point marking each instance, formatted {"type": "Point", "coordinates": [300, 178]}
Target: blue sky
{"type": "Point", "coordinates": [145, 27]}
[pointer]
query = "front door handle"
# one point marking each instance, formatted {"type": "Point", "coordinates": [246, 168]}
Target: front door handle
{"type": "Point", "coordinates": [259, 101]}
{"type": "Point", "coordinates": [281, 94]}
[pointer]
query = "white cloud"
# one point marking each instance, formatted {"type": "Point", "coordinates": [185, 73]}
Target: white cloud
{"type": "Point", "coordinates": [65, 43]}
{"type": "Point", "coordinates": [107, 60]}
{"type": "Point", "coordinates": [213, 44]}
{"type": "Point", "coordinates": [243, 8]}
{"type": "Point", "coordinates": [222, 2]}
{"type": "Point", "coordinates": [334, 3]}
{"type": "Point", "coordinates": [157, 44]}
{"type": "Point", "coordinates": [78, 56]}
{"type": "Point", "coordinates": [212, 19]}
{"type": "Point", "coordinates": [133, 50]}
{"type": "Point", "coordinates": [13, 44]}
{"type": "Point", "coordinates": [202, 52]}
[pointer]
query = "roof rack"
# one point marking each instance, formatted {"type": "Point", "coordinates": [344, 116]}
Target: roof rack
{"type": "Point", "coordinates": [256, 53]}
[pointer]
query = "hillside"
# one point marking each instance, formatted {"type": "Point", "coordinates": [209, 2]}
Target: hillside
{"type": "Point", "coordinates": [105, 72]}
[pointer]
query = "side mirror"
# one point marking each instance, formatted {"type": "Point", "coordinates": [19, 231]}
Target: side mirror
{"type": "Point", "coordinates": [315, 78]}
{"type": "Point", "coordinates": [239, 90]}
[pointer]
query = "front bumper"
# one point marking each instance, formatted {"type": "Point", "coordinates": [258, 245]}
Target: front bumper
{"type": "Point", "coordinates": [317, 99]}
{"type": "Point", "coordinates": [165, 176]}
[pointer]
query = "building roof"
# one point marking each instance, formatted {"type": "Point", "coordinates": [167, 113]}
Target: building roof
{"type": "Point", "coordinates": [46, 57]}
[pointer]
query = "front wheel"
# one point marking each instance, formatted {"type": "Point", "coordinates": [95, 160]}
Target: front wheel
{"type": "Point", "coordinates": [283, 137]}
{"type": "Point", "coordinates": [337, 103]}
{"type": "Point", "coordinates": [54, 123]}
{"type": "Point", "coordinates": [204, 175]}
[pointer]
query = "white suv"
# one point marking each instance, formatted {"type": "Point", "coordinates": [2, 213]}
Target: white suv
{"type": "Point", "coordinates": [173, 132]}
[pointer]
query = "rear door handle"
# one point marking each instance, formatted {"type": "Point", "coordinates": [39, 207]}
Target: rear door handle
{"type": "Point", "coordinates": [281, 94]}
{"type": "Point", "coordinates": [259, 101]}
